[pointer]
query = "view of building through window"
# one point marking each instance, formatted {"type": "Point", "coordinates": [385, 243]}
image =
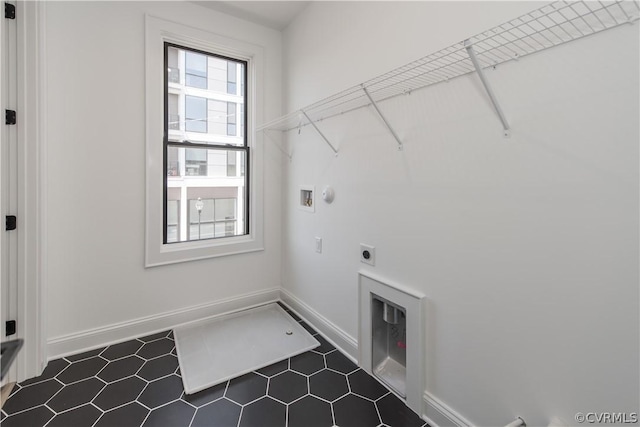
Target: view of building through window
{"type": "Point", "coordinates": [206, 148]}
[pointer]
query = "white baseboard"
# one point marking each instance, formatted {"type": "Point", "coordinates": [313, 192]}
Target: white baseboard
{"type": "Point", "coordinates": [435, 412]}
{"type": "Point", "coordinates": [99, 337]}
{"type": "Point", "coordinates": [339, 338]}
{"type": "Point", "coordinates": [438, 414]}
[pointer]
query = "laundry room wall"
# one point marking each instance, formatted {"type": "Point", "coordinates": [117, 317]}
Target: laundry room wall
{"type": "Point", "coordinates": [97, 285]}
{"type": "Point", "coordinates": [525, 247]}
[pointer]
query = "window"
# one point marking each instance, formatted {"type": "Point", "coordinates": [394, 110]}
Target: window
{"type": "Point", "coordinates": [231, 77]}
{"type": "Point", "coordinates": [218, 114]}
{"type": "Point", "coordinates": [195, 162]}
{"type": "Point", "coordinates": [195, 70]}
{"type": "Point", "coordinates": [216, 196]}
{"type": "Point", "coordinates": [237, 199]}
{"type": "Point", "coordinates": [173, 220]}
{"type": "Point", "coordinates": [231, 163]}
{"type": "Point", "coordinates": [173, 67]}
{"type": "Point", "coordinates": [201, 219]}
{"type": "Point", "coordinates": [173, 162]}
{"type": "Point", "coordinates": [195, 110]}
{"type": "Point", "coordinates": [174, 114]}
{"type": "Point", "coordinates": [225, 217]}
{"type": "Point", "coordinates": [211, 218]}
{"type": "Point", "coordinates": [231, 118]}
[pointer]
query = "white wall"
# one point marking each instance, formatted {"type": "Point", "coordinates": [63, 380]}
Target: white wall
{"type": "Point", "coordinates": [95, 140]}
{"type": "Point", "coordinates": [527, 247]}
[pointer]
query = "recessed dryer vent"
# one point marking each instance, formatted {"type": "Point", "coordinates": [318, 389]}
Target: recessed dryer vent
{"type": "Point", "coordinates": [389, 344]}
{"type": "Point", "coordinates": [390, 338]}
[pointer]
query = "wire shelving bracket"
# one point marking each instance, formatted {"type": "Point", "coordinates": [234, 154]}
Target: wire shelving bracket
{"type": "Point", "coordinates": [282, 150]}
{"type": "Point", "coordinates": [496, 105]}
{"type": "Point", "coordinates": [382, 117]}
{"type": "Point", "coordinates": [550, 25]}
{"type": "Point", "coordinates": [304, 113]}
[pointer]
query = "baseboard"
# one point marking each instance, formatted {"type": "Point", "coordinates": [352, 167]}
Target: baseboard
{"type": "Point", "coordinates": [438, 414]}
{"type": "Point", "coordinates": [99, 337]}
{"type": "Point", "coordinates": [339, 338]}
{"type": "Point", "coordinates": [435, 412]}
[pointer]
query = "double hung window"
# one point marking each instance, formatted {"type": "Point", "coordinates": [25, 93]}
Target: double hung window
{"type": "Point", "coordinates": [206, 194]}
{"type": "Point", "coordinates": [204, 162]}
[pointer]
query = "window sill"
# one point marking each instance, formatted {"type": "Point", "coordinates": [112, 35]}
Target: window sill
{"type": "Point", "coordinates": [174, 253]}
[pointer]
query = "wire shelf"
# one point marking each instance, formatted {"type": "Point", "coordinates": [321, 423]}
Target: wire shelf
{"type": "Point", "coordinates": [551, 25]}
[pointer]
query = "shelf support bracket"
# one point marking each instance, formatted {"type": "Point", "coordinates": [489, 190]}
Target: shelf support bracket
{"type": "Point", "coordinates": [282, 150]}
{"type": "Point", "coordinates": [384, 120]}
{"type": "Point", "coordinates": [474, 59]}
{"type": "Point", "coordinates": [319, 132]}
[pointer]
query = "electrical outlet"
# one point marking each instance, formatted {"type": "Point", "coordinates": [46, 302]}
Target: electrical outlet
{"type": "Point", "coordinates": [319, 245]}
{"type": "Point", "coordinates": [367, 254]}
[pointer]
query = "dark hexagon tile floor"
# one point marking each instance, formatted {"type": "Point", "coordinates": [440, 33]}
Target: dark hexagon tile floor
{"type": "Point", "coordinates": [137, 383]}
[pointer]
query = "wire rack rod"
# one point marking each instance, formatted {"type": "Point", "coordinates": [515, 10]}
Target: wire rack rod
{"type": "Point", "coordinates": [550, 25]}
{"type": "Point", "coordinates": [487, 86]}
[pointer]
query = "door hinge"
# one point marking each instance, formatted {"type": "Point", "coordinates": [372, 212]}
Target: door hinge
{"type": "Point", "coordinates": [9, 11]}
{"type": "Point", "coordinates": [10, 328]}
{"type": "Point", "coordinates": [11, 222]}
{"type": "Point", "coordinates": [10, 117]}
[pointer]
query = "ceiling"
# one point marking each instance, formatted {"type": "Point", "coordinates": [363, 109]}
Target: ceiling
{"type": "Point", "coordinates": [272, 14]}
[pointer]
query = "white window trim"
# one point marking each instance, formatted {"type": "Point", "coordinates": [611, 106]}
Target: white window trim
{"type": "Point", "coordinates": [159, 31]}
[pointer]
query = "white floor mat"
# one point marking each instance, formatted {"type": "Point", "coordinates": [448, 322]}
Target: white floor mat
{"type": "Point", "coordinates": [213, 351]}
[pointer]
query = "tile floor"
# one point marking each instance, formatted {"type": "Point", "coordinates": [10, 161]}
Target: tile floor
{"type": "Point", "coordinates": [137, 383]}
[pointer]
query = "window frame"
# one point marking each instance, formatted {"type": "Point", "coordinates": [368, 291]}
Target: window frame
{"type": "Point", "coordinates": [157, 32]}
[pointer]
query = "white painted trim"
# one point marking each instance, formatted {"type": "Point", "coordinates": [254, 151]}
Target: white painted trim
{"type": "Point", "coordinates": [32, 167]}
{"type": "Point", "coordinates": [439, 414]}
{"type": "Point", "coordinates": [43, 186]}
{"type": "Point", "coordinates": [402, 288]}
{"type": "Point", "coordinates": [10, 177]}
{"type": "Point", "coordinates": [157, 32]}
{"type": "Point", "coordinates": [413, 303]}
{"type": "Point", "coordinates": [336, 336]}
{"type": "Point", "coordinates": [118, 332]}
